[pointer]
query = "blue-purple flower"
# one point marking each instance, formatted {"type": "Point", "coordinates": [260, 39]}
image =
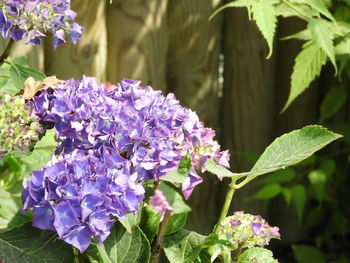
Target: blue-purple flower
{"type": "Point", "coordinates": [32, 19]}
{"type": "Point", "coordinates": [110, 140]}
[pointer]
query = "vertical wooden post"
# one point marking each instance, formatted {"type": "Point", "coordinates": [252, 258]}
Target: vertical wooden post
{"type": "Point", "coordinates": [248, 97]}
{"type": "Point", "coordinates": [137, 41]}
{"type": "Point", "coordinates": [89, 55]}
{"type": "Point", "coordinates": [193, 75]}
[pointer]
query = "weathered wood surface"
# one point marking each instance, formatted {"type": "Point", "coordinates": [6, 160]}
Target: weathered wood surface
{"type": "Point", "coordinates": [192, 74]}
{"type": "Point", "coordinates": [35, 54]}
{"type": "Point", "coordinates": [248, 113]}
{"type": "Point", "coordinates": [137, 41]}
{"type": "Point", "coordinates": [89, 55]}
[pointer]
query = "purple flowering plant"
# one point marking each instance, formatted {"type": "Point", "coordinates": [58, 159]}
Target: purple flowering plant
{"type": "Point", "coordinates": [106, 167]}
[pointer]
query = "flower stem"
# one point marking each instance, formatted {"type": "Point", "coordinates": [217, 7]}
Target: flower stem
{"type": "Point", "coordinates": [226, 206]}
{"type": "Point", "coordinates": [238, 251]}
{"type": "Point", "coordinates": [158, 241]}
{"type": "Point", "coordinates": [7, 51]}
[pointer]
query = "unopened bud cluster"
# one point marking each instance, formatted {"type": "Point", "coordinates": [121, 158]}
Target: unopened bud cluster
{"type": "Point", "coordinates": [19, 129]}
{"type": "Point", "coordinates": [247, 230]}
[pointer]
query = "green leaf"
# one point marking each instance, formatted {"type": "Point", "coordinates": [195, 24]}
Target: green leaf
{"type": "Point", "coordinates": [268, 191]}
{"type": "Point", "coordinates": [176, 223]}
{"type": "Point", "coordinates": [287, 194]}
{"type": "Point", "coordinates": [343, 47]}
{"type": "Point", "coordinates": [265, 17]}
{"type": "Point", "coordinates": [323, 35]}
{"type": "Point", "coordinates": [204, 257]}
{"type": "Point", "coordinates": [180, 174]}
{"type": "Point", "coordinates": [122, 247]}
{"type": "Point", "coordinates": [334, 100]}
{"type": "Point", "coordinates": [238, 3]}
{"type": "Point", "coordinates": [290, 149]}
{"type": "Point", "coordinates": [299, 200]}
{"type": "Point", "coordinates": [131, 220]}
{"type": "Point", "coordinates": [317, 179]}
{"type": "Point", "coordinates": [174, 199]}
{"type": "Point", "coordinates": [308, 254]}
{"type": "Point", "coordinates": [183, 247]}
{"type": "Point", "coordinates": [10, 205]}
{"type": "Point", "coordinates": [302, 35]}
{"type": "Point", "coordinates": [328, 166]}
{"type": "Point", "coordinates": [149, 224]}
{"type": "Point", "coordinates": [307, 67]}
{"type": "Point", "coordinates": [256, 254]}
{"type": "Point", "coordinates": [28, 244]}
{"type": "Point", "coordinates": [280, 176]}
{"type": "Point", "coordinates": [320, 7]}
{"type": "Point", "coordinates": [216, 169]}
{"type": "Point", "coordinates": [42, 152]}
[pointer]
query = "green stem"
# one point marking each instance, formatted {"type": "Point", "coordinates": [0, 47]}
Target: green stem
{"type": "Point", "coordinates": [7, 51]}
{"type": "Point", "coordinates": [226, 206]}
{"type": "Point", "coordinates": [238, 251]}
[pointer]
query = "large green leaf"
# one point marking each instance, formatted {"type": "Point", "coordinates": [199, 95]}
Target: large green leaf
{"type": "Point", "coordinates": [308, 254]}
{"type": "Point", "coordinates": [307, 67]}
{"type": "Point", "coordinates": [174, 199]}
{"type": "Point", "coordinates": [149, 224]}
{"type": "Point", "coordinates": [298, 200]}
{"type": "Point", "coordinates": [256, 254]}
{"type": "Point", "coordinates": [216, 169]}
{"type": "Point", "coordinates": [290, 149]}
{"type": "Point", "coordinates": [28, 245]}
{"type": "Point", "coordinates": [131, 220]}
{"type": "Point", "coordinates": [122, 247]}
{"type": "Point", "coordinates": [323, 35]}
{"type": "Point", "coordinates": [176, 223]}
{"type": "Point", "coordinates": [183, 246]}
{"type": "Point", "coordinates": [320, 7]}
{"type": "Point", "coordinates": [265, 17]}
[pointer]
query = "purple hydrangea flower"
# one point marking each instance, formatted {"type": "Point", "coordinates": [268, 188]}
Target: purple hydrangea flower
{"type": "Point", "coordinates": [111, 138]}
{"type": "Point", "coordinates": [20, 19]}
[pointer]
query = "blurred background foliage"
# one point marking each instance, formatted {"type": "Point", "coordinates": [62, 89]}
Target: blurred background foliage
{"type": "Point", "coordinates": [219, 69]}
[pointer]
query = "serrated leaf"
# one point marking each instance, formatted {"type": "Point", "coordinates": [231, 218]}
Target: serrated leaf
{"type": "Point", "coordinates": [28, 244]}
{"type": "Point", "coordinates": [149, 224]}
{"type": "Point", "coordinates": [238, 3]}
{"type": "Point", "coordinates": [299, 200]}
{"type": "Point", "coordinates": [176, 223]}
{"type": "Point", "coordinates": [323, 36]}
{"type": "Point", "coordinates": [183, 246]}
{"type": "Point", "coordinates": [216, 169]}
{"type": "Point", "coordinates": [122, 247]}
{"type": "Point", "coordinates": [343, 47]}
{"type": "Point", "coordinates": [174, 199]}
{"type": "Point", "coordinates": [256, 254]}
{"type": "Point", "coordinates": [308, 254]}
{"type": "Point", "coordinates": [307, 67]}
{"type": "Point", "coordinates": [334, 100]}
{"type": "Point", "coordinates": [265, 17]}
{"type": "Point", "coordinates": [320, 7]}
{"type": "Point", "coordinates": [302, 35]}
{"type": "Point", "coordinates": [268, 191]}
{"type": "Point", "coordinates": [293, 8]}
{"type": "Point", "coordinates": [290, 149]}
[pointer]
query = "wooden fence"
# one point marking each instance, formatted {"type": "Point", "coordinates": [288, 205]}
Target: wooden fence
{"type": "Point", "coordinates": [171, 45]}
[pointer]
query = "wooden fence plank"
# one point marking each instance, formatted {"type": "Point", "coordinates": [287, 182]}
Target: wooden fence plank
{"type": "Point", "coordinates": [89, 55]}
{"type": "Point", "coordinates": [248, 97]}
{"type": "Point", "coordinates": [192, 74]}
{"type": "Point", "coordinates": [137, 41]}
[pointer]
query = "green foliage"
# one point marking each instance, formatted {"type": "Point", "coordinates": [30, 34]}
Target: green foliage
{"type": "Point", "coordinates": [179, 175]}
{"type": "Point", "coordinates": [176, 223]}
{"type": "Point", "coordinates": [184, 246]}
{"type": "Point", "coordinates": [308, 254]}
{"type": "Point", "coordinates": [174, 199]}
{"type": "Point", "coordinates": [120, 246]}
{"type": "Point", "coordinates": [14, 72]}
{"type": "Point", "coordinates": [298, 200]}
{"type": "Point", "coordinates": [131, 221]}
{"type": "Point", "coordinates": [150, 220]}
{"type": "Point", "coordinates": [28, 244]}
{"type": "Point", "coordinates": [268, 191]}
{"type": "Point", "coordinates": [333, 101]}
{"type": "Point", "coordinates": [256, 254]}
{"type": "Point", "coordinates": [326, 36]}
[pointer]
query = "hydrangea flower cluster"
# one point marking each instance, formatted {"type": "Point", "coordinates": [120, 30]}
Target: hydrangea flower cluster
{"type": "Point", "coordinates": [159, 203]}
{"type": "Point", "coordinates": [247, 230]}
{"type": "Point", "coordinates": [111, 138]}
{"type": "Point", "coordinates": [20, 19]}
{"type": "Point", "coordinates": [19, 128]}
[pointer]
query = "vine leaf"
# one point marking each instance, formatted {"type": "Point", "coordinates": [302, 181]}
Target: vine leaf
{"type": "Point", "coordinates": [28, 244]}
{"type": "Point", "coordinates": [320, 7]}
{"type": "Point", "coordinates": [264, 14]}
{"type": "Point", "coordinates": [307, 67]}
{"type": "Point", "coordinates": [239, 3]}
{"type": "Point", "coordinates": [323, 36]}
